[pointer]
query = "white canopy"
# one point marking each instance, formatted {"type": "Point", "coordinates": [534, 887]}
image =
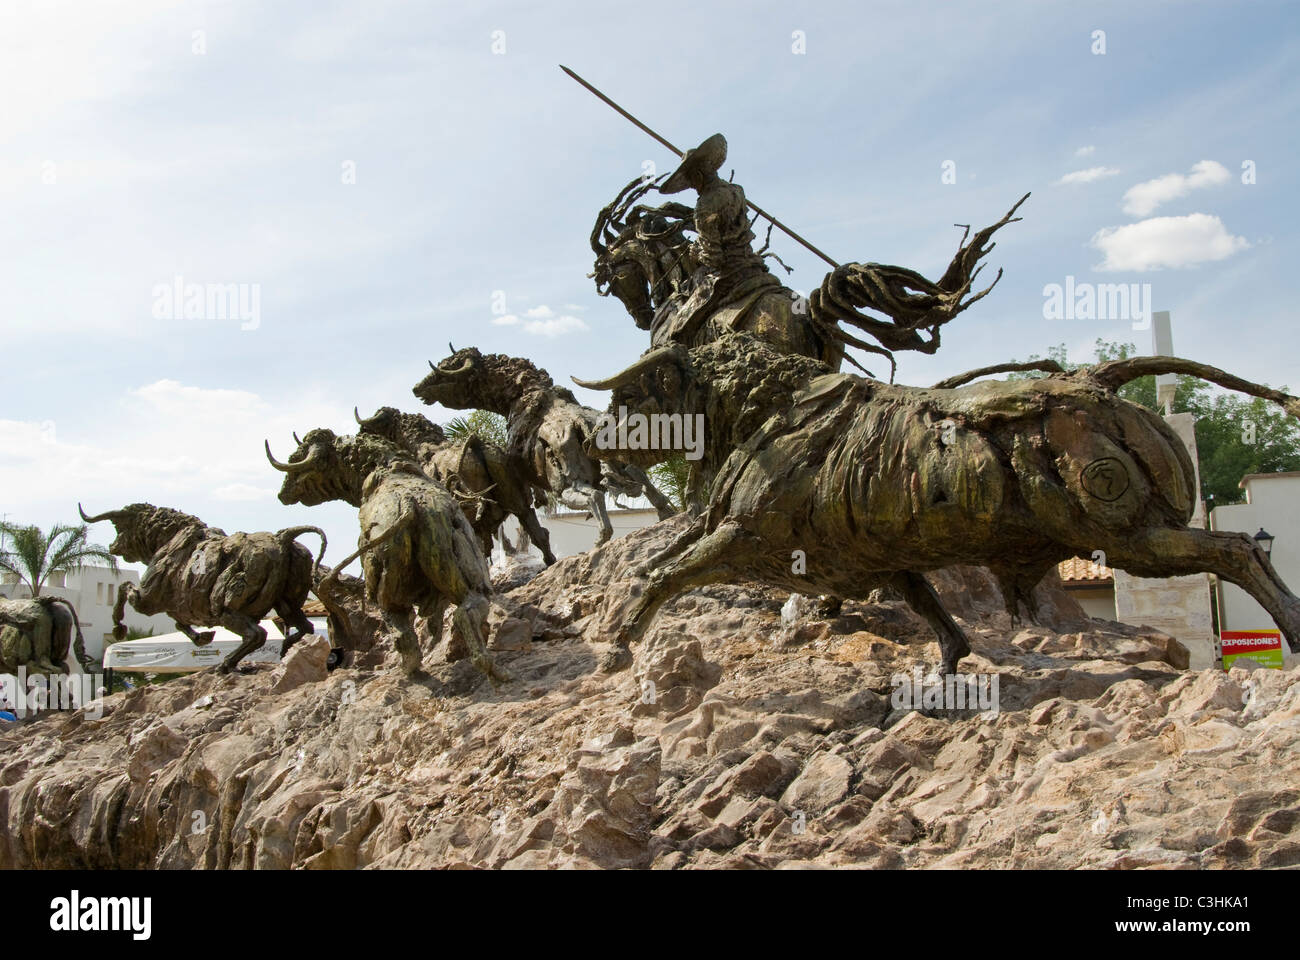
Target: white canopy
{"type": "Point", "coordinates": [175, 653]}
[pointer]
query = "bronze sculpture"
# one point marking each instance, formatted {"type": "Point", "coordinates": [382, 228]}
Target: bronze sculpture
{"type": "Point", "coordinates": [551, 435]}
{"type": "Point", "coordinates": [37, 634]}
{"type": "Point", "coordinates": [418, 551]}
{"type": "Point", "coordinates": [692, 292]}
{"type": "Point", "coordinates": [199, 576]}
{"type": "Point", "coordinates": [877, 483]}
{"type": "Point", "coordinates": [475, 470]}
{"type": "Point", "coordinates": [873, 484]}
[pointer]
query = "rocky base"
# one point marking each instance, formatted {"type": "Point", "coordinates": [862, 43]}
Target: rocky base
{"type": "Point", "coordinates": [732, 742]}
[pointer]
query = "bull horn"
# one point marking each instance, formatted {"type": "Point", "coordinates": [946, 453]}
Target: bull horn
{"type": "Point", "coordinates": [107, 515]}
{"type": "Point", "coordinates": [289, 467]}
{"type": "Point", "coordinates": [463, 368]}
{"type": "Point", "coordinates": [650, 360]}
{"type": "Point", "coordinates": [357, 417]}
{"type": "Point", "coordinates": [295, 438]}
{"type": "Point", "coordinates": [431, 366]}
{"type": "Point", "coordinates": [450, 348]}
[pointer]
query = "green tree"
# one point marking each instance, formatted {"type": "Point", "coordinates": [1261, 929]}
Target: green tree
{"type": "Point", "coordinates": [670, 477]}
{"type": "Point", "coordinates": [33, 555]}
{"type": "Point", "coordinates": [1235, 435]}
{"type": "Point", "coordinates": [484, 424]}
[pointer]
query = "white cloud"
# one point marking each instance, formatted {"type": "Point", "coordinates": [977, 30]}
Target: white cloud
{"type": "Point", "coordinates": [242, 491]}
{"type": "Point", "coordinates": [167, 442]}
{"type": "Point", "coordinates": [555, 326]}
{"type": "Point", "coordinates": [542, 321]}
{"type": "Point", "coordinates": [1141, 199]}
{"type": "Point", "coordinates": [1084, 151]}
{"type": "Point", "coordinates": [1166, 242]}
{"type": "Point", "coordinates": [1088, 176]}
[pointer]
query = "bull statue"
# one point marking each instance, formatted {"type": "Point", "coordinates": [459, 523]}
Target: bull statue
{"type": "Point", "coordinates": [37, 634]}
{"type": "Point", "coordinates": [418, 551]}
{"type": "Point", "coordinates": [201, 577]}
{"type": "Point", "coordinates": [475, 470]}
{"type": "Point", "coordinates": [551, 435]}
{"type": "Point", "coordinates": [873, 484]}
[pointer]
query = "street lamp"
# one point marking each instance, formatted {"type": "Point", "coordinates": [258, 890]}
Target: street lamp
{"type": "Point", "coordinates": [1265, 541]}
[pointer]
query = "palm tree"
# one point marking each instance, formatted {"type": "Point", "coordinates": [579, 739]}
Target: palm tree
{"type": "Point", "coordinates": [671, 477]}
{"type": "Point", "coordinates": [33, 555]}
{"type": "Point", "coordinates": [484, 424]}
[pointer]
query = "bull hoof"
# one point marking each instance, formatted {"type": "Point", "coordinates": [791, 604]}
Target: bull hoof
{"type": "Point", "coordinates": [615, 659]}
{"type": "Point", "coordinates": [829, 607]}
{"type": "Point", "coordinates": [949, 665]}
{"type": "Point", "coordinates": [494, 673]}
{"type": "Point", "coordinates": [457, 649]}
{"type": "Point", "coordinates": [205, 637]}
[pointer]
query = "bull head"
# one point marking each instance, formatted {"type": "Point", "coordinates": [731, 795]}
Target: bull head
{"type": "Point", "coordinates": [407, 430]}
{"type": "Point", "coordinates": [452, 382]}
{"type": "Point", "coordinates": [142, 529]}
{"type": "Point", "coordinates": [308, 468]}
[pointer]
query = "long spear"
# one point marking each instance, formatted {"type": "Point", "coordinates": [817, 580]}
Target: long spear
{"type": "Point", "coordinates": [752, 205]}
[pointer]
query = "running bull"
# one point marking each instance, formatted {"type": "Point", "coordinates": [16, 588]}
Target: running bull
{"type": "Point", "coordinates": [418, 551]}
{"type": "Point", "coordinates": [199, 576]}
{"type": "Point", "coordinates": [475, 470]}
{"type": "Point", "coordinates": [878, 483]}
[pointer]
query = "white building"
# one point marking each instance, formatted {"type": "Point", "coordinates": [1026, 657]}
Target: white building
{"type": "Point", "coordinates": [574, 531]}
{"type": "Point", "coordinates": [92, 591]}
{"type": "Point", "coordinates": [1272, 504]}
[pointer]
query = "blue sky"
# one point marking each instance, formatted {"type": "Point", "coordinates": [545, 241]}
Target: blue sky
{"type": "Point", "coordinates": [143, 141]}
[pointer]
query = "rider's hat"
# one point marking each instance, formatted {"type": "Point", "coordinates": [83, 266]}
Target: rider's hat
{"type": "Point", "coordinates": [709, 155]}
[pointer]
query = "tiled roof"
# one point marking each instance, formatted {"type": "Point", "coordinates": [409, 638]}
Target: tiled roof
{"type": "Point", "coordinates": [1079, 570]}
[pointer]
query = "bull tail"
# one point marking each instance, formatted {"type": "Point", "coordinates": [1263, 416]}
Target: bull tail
{"type": "Point", "coordinates": [79, 642]}
{"type": "Point", "coordinates": [1116, 373]}
{"type": "Point", "coordinates": [1040, 366]}
{"type": "Point", "coordinates": [378, 541]}
{"type": "Point", "coordinates": [292, 533]}
{"type": "Point", "coordinates": [338, 615]}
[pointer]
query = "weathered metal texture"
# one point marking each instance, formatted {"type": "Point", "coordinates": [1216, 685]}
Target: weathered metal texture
{"type": "Point", "coordinates": [692, 292]}
{"type": "Point", "coordinates": [418, 551]}
{"type": "Point", "coordinates": [202, 577]}
{"type": "Point", "coordinates": [876, 483]}
{"type": "Point", "coordinates": [476, 471]}
{"type": "Point", "coordinates": [550, 435]}
{"type": "Point", "coordinates": [38, 634]}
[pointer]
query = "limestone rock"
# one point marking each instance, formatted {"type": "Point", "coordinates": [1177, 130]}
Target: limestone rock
{"type": "Point", "coordinates": [1103, 753]}
{"type": "Point", "coordinates": [305, 663]}
{"type": "Point", "coordinates": [823, 782]}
